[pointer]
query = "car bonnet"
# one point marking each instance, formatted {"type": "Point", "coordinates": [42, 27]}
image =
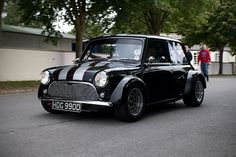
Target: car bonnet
{"type": "Point", "coordinates": [85, 71]}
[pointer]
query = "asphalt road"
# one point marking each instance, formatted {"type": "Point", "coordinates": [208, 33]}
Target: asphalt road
{"type": "Point", "coordinates": [168, 130]}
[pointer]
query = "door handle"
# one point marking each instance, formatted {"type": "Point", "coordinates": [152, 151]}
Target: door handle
{"type": "Point", "coordinates": [180, 77]}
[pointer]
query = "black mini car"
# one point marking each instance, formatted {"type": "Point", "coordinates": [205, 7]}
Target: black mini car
{"type": "Point", "coordinates": [125, 73]}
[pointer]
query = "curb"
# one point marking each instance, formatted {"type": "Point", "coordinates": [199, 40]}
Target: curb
{"type": "Point", "coordinates": [12, 91]}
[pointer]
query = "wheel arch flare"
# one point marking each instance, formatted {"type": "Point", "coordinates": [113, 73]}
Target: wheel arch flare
{"type": "Point", "coordinates": [122, 87]}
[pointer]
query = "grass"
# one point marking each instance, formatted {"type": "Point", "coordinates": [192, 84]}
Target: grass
{"type": "Point", "coordinates": [18, 85]}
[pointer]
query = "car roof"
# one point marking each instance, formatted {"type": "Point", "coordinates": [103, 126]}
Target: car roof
{"type": "Point", "coordinates": [138, 36]}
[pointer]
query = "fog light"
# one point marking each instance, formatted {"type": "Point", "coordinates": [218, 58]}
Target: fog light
{"type": "Point", "coordinates": [45, 91]}
{"type": "Point", "coordinates": [102, 95]}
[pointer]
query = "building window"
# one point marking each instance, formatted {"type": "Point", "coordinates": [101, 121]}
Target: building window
{"type": "Point", "coordinates": [217, 57]}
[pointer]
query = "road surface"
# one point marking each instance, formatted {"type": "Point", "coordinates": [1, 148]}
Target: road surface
{"type": "Point", "coordinates": [168, 130]}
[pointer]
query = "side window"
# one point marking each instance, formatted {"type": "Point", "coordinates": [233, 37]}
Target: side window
{"type": "Point", "coordinates": [157, 51]}
{"type": "Point", "coordinates": [176, 53]}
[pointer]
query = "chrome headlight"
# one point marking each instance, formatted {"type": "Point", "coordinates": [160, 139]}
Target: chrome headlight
{"type": "Point", "coordinates": [101, 79]}
{"type": "Point", "coordinates": [45, 77]}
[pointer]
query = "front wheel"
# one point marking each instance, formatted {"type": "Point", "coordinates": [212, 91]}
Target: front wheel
{"type": "Point", "coordinates": [195, 98]}
{"type": "Point", "coordinates": [132, 107]}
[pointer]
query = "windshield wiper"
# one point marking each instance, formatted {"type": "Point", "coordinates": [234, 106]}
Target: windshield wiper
{"type": "Point", "coordinates": [122, 59]}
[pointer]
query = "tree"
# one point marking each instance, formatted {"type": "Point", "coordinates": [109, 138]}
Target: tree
{"type": "Point", "coordinates": [1, 10]}
{"type": "Point", "coordinates": [47, 12]}
{"type": "Point", "coordinates": [93, 29]}
{"type": "Point", "coordinates": [219, 30]}
{"type": "Point", "coordinates": [143, 16]}
{"type": "Point", "coordinates": [154, 16]}
{"type": "Point", "coordinates": [231, 26]}
{"type": "Point", "coordinates": [14, 16]}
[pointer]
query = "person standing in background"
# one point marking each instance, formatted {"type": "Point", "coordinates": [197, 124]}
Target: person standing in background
{"type": "Point", "coordinates": [188, 53]}
{"type": "Point", "coordinates": [205, 59]}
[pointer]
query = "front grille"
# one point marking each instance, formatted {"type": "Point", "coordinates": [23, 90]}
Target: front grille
{"type": "Point", "coordinates": [73, 90]}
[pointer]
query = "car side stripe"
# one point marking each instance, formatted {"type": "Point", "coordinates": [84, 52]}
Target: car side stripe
{"type": "Point", "coordinates": [64, 72]}
{"type": "Point", "coordinates": [79, 73]}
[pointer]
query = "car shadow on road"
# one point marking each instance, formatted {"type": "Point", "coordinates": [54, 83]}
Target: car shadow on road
{"type": "Point", "coordinates": [164, 108]}
{"type": "Point", "coordinates": [108, 116]}
{"type": "Point", "coordinates": [104, 115]}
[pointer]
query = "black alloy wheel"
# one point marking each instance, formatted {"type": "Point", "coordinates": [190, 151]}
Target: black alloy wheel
{"type": "Point", "coordinates": [135, 101]}
{"type": "Point", "coordinates": [195, 98]}
{"type": "Point", "coordinates": [132, 107]}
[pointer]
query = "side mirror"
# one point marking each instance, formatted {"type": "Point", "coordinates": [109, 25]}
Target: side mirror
{"type": "Point", "coordinates": [76, 61]}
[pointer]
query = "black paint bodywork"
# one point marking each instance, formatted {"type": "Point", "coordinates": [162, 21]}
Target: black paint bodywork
{"type": "Point", "coordinates": [160, 82]}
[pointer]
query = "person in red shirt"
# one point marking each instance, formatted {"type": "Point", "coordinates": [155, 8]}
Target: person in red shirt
{"type": "Point", "coordinates": [205, 59]}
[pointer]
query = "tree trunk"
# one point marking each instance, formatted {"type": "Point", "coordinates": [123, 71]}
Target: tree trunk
{"type": "Point", "coordinates": [154, 22]}
{"type": "Point", "coordinates": [79, 27]}
{"type": "Point", "coordinates": [221, 50]}
{"type": "Point", "coordinates": [78, 39]}
{"type": "Point", "coordinates": [155, 18]}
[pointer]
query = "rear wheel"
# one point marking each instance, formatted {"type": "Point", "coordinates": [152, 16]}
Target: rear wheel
{"type": "Point", "coordinates": [195, 98]}
{"type": "Point", "coordinates": [132, 107]}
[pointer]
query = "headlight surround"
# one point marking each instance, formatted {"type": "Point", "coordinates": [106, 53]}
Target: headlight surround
{"type": "Point", "coordinates": [45, 77]}
{"type": "Point", "coordinates": [101, 79]}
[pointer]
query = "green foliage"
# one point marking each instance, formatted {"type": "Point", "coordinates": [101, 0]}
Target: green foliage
{"type": "Point", "coordinates": [191, 15]}
{"type": "Point", "coordinates": [129, 16]}
{"type": "Point", "coordinates": [43, 12]}
{"type": "Point", "coordinates": [144, 16]}
{"type": "Point", "coordinates": [218, 31]}
{"type": "Point", "coordinates": [230, 24]}
{"type": "Point", "coordinates": [100, 17]}
{"type": "Point", "coordinates": [152, 16]}
{"type": "Point", "coordinates": [189, 18]}
{"type": "Point", "coordinates": [48, 12]}
{"type": "Point", "coordinates": [93, 30]}
{"type": "Point", "coordinates": [1, 10]}
{"type": "Point", "coordinates": [13, 14]}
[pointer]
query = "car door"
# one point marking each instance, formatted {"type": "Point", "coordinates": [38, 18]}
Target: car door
{"type": "Point", "coordinates": [158, 71]}
{"type": "Point", "coordinates": [181, 66]}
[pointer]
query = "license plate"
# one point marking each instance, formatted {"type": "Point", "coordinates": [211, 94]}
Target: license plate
{"type": "Point", "coordinates": [66, 106]}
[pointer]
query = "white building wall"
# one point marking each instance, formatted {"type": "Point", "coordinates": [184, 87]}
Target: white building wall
{"type": "Point", "coordinates": [17, 65]}
{"type": "Point", "coordinates": [33, 42]}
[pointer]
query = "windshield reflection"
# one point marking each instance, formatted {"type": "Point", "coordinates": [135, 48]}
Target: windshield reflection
{"type": "Point", "coordinates": [114, 49]}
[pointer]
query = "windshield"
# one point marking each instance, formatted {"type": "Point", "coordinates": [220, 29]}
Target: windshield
{"type": "Point", "coordinates": [114, 49]}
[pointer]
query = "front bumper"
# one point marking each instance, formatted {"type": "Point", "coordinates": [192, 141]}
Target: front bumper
{"type": "Point", "coordinates": [69, 105]}
{"type": "Point", "coordinates": [96, 103]}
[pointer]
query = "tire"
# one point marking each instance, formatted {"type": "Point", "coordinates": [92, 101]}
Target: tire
{"type": "Point", "coordinates": [48, 107]}
{"type": "Point", "coordinates": [132, 106]}
{"type": "Point", "coordinates": [195, 98]}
